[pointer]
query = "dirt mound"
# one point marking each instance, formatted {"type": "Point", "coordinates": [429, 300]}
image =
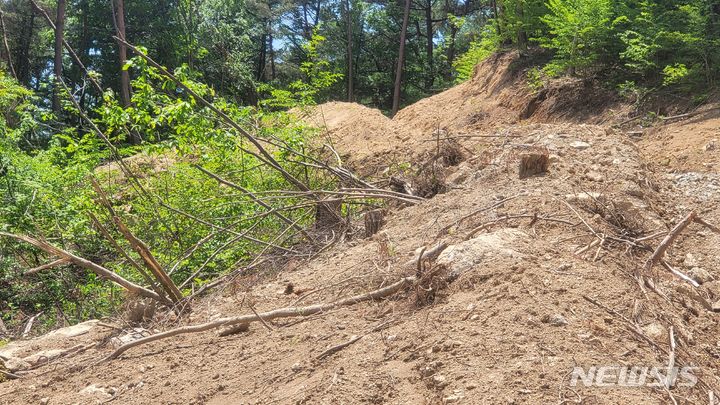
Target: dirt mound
{"type": "Point", "coordinates": [498, 95]}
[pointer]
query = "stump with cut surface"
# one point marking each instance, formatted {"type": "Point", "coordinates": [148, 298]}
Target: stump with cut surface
{"type": "Point", "coordinates": [533, 163]}
{"type": "Point", "coordinates": [374, 220]}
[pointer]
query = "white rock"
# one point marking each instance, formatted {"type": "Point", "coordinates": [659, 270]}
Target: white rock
{"type": "Point", "coordinates": [654, 330]}
{"type": "Point", "coordinates": [700, 275]}
{"type": "Point", "coordinates": [579, 145]}
{"type": "Point", "coordinates": [467, 255]}
{"type": "Point", "coordinates": [439, 381]}
{"type": "Point", "coordinates": [452, 399]}
{"type": "Point", "coordinates": [95, 391]}
{"type": "Point", "coordinates": [691, 261]}
{"type": "Point", "coordinates": [555, 320]}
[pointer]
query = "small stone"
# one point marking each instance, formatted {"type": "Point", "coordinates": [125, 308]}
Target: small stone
{"type": "Point", "coordinates": [700, 275]}
{"type": "Point", "coordinates": [579, 145]}
{"type": "Point", "coordinates": [296, 367]}
{"type": "Point", "coordinates": [554, 320]}
{"type": "Point", "coordinates": [595, 176]}
{"type": "Point", "coordinates": [654, 330]}
{"type": "Point", "coordinates": [391, 338]}
{"type": "Point", "coordinates": [452, 399]}
{"type": "Point", "coordinates": [691, 261]}
{"type": "Point", "coordinates": [475, 317]}
{"type": "Point", "coordinates": [439, 381]}
{"type": "Point", "coordinates": [45, 401]}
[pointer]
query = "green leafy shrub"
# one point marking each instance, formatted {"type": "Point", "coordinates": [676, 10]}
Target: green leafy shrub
{"type": "Point", "coordinates": [480, 50]}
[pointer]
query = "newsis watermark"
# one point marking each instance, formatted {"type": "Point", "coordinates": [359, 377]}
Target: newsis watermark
{"type": "Point", "coordinates": [634, 376]}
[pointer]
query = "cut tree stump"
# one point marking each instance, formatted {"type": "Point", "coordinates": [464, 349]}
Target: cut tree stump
{"type": "Point", "coordinates": [533, 163]}
{"type": "Point", "coordinates": [374, 220]}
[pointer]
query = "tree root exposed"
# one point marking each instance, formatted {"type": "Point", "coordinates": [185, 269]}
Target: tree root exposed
{"type": "Point", "coordinates": [288, 312]}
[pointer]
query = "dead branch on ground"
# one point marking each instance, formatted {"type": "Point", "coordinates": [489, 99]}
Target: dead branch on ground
{"type": "Point", "coordinates": [270, 315]}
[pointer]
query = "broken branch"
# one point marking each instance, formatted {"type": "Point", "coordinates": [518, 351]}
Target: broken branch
{"type": "Point", "coordinates": [268, 316]}
{"type": "Point", "coordinates": [88, 265]}
{"type": "Point", "coordinates": [669, 239]}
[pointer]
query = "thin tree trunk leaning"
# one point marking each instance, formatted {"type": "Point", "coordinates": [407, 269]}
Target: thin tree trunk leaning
{"type": "Point", "coordinates": [401, 59]}
{"type": "Point", "coordinates": [55, 263]}
{"type": "Point", "coordinates": [88, 265]}
{"type": "Point", "coordinates": [22, 57]}
{"type": "Point", "coordinates": [270, 315]}
{"type": "Point", "coordinates": [141, 249]}
{"type": "Point", "coordinates": [6, 47]}
{"type": "Point", "coordinates": [58, 65]}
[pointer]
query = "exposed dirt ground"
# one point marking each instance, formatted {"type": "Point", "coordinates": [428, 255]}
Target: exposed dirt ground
{"type": "Point", "coordinates": [521, 296]}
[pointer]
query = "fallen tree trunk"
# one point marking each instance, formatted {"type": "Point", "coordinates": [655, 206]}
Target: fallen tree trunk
{"type": "Point", "coordinates": [86, 264]}
{"type": "Point", "coordinates": [288, 312]}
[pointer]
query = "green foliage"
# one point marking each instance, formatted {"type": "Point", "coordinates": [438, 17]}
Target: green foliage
{"type": "Point", "coordinates": [578, 31]}
{"type": "Point", "coordinates": [317, 77]}
{"type": "Point", "coordinates": [46, 192]}
{"type": "Point", "coordinates": [480, 50]}
{"type": "Point", "coordinates": [536, 79]}
{"type": "Point", "coordinates": [674, 73]}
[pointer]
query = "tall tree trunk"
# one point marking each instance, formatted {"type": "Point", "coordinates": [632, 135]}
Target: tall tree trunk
{"type": "Point", "coordinates": [119, 14]}
{"type": "Point", "coordinates": [496, 17]}
{"type": "Point", "coordinates": [23, 51]}
{"type": "Point", "coordinates": [84, 46]}
{"type": "Point", "coordinates": [401, 59]}
{"type": "Point", "coordinates": [58, 63]}
{"type": "Point", "coordinates": [271, 54]}
{"type": "Point", "coordinates": [430, 74]}
{"type": "Point", "coordinates": [349, 52]}
{"type": "Point", "coordinates": [6, 47]}
{"type": "Point", "coordinates": [262, 60]}
{"type": "Point", "coordinates": [522, 39]}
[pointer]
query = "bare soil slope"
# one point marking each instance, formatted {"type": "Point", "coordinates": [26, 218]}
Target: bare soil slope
{"type": "Point", "coordinates": [542, 274]}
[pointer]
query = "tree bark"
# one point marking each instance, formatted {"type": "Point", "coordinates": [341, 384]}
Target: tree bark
{"type": "Point", "coordinates": [401, 59]}
{"type": "Point", "coordinates": [262, 58]}
{"type": "Point", "coordinates": [119, 14]}
{"type": "Point", "coordinates": [271, 54]}
{"type": "Point", "coordinates": [429, 46]}
{"type": "Point", "coordinates": [58, 65]}
{"type": "Point", "coordinates": [349, 52]}
{"type": "Point", "coordinates": [6, 49]}
{"type": "Point", "coordinates": [23, 51]}
{"type": "Point", "coordinates": [522, 38]}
